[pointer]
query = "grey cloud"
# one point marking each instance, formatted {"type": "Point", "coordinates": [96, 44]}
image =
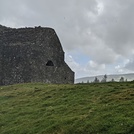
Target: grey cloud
{"type": "Point", "coordinates": [116, 24]}
{"type": "Point", "coordinates": [102, 36]}
{"type": "Point", "coordinates": [130, 65]}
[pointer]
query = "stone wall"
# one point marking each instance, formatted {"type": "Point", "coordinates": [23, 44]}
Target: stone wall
{"type": "Point", "coordinates": [32, 55]}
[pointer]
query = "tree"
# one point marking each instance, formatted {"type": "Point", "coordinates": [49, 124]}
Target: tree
{"type": "Point", "coordinates": [104, 78]}
{"type": "Point", "coordinates": [96, 80]}
{"type": "Point", "coordinates": [112, 80]}
{"type": "Point", "coordinates": [87, 81]}
{"type": "Point", "coordinates": [122, 79]}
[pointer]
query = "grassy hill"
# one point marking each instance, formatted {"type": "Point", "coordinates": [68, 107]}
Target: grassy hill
{"type": "Point", "coordinates": [104, 108]}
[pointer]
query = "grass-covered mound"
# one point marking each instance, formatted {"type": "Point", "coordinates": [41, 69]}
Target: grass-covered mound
{"type": "Point", "coordinates": [67, 109]}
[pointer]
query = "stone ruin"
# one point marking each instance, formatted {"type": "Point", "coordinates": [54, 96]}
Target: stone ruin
{"type": "Point", "coordinates": [32, 55]}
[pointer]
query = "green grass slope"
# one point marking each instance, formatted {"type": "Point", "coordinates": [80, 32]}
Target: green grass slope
{"type": "Point", "coordinates": [67, 109]}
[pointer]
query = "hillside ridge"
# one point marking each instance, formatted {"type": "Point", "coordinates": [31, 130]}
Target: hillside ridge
{"type": "Point", "coordinates": [104, 108]}
{"type": "Point", "coordinates": [116, 77]}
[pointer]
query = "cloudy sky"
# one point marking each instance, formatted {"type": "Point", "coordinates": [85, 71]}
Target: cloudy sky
{"type": "Point", "coordinates": [97, 35]}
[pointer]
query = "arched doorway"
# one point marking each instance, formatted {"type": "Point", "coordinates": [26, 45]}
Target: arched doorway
{"type": "Point", "coordinates": [49, 63]}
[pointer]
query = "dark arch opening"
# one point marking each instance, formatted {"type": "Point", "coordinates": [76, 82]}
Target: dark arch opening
{"type": "Point", "coordinates": [49, 63]}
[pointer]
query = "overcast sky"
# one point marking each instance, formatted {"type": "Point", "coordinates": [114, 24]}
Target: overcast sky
{"type": "Point", "coordinates": [97, 35]}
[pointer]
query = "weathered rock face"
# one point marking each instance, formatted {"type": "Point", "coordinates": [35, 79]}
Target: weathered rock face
{"type": "Point", "coordinates": [32, 55]}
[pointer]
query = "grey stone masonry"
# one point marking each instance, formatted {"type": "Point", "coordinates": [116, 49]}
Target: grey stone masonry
{"type": "Point", "coordinates": [32, 55]}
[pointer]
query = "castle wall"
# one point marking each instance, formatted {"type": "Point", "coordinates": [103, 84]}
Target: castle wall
{"type": "Point", "coordinates": [32, 55]}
